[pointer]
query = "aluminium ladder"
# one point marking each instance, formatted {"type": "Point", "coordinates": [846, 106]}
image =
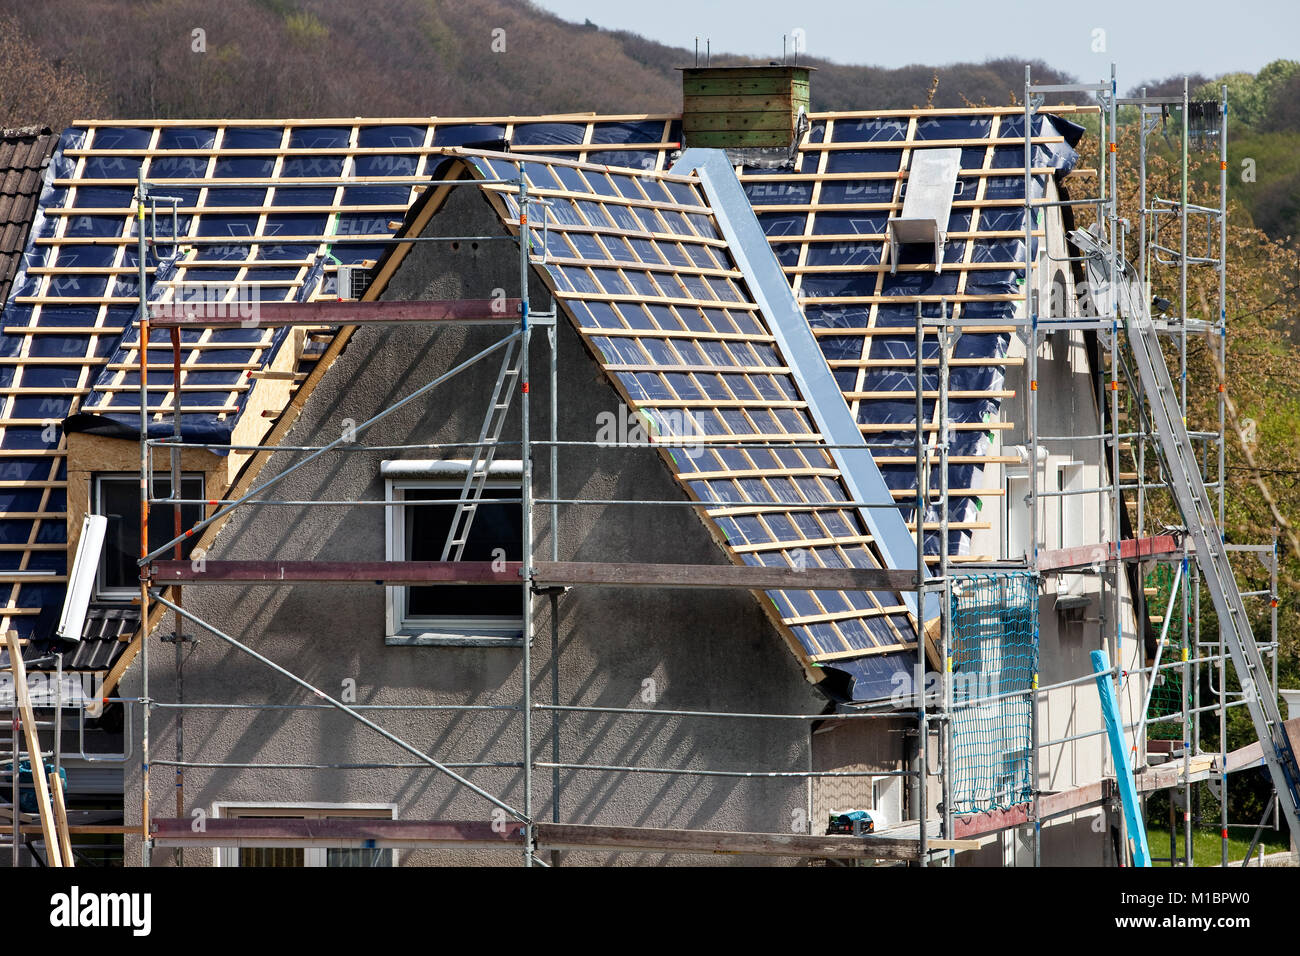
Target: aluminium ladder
{"type": "Point", "coordinates": [1184, 474]}
{"type": "Point", "coordinates": [480, 463]}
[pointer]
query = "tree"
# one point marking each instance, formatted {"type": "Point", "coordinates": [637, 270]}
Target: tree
{"type": "Point", "coordinates": [36, 91]}
{"type": "Point", "coordinates": [1262, 382]}
{"type": "Point", "coordinates": [1251, 97]}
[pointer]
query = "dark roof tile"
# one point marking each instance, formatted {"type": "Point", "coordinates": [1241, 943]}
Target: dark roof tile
{"type": "Point", "coordinates": [24, 154]}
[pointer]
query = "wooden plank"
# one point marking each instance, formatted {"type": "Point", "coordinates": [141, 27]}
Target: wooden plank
{"type": "Point", "coordinates": [862, 652]}
{"type": "Point", "coordinates": [755, 86]}
{"type": "Point", "coordinates": [720, 575]}
{"type": "Point", "coordinates": [352, 121]}
{"type": "Point", "coordinates": [341, 572]}
{"type": "Point", "coordinates": [562, 836]}
{"type": "Point", "coordinates": [991, 821]}
{"type": "Point", "coordinates": [730, 80]}
{"type": "Point", "coordinates": [219, 315]}
{"type": "Point", "coordinates": [550, 191]}
{"type": "Point", "coordinates": [547, 574]}
{"type": "Point", "coordinates": [977, 173]}
{"type": "Point", "coordinates": [928, 144]}
{"type": "Point", "coordinates": [954, 394]}
{"type": "Point", "coordinates": [217, 208]}
{"type": "Point", "coordinates": [575, 117]}
{"type": "Point", "coordinates": [1063, 559]}
{"type": "Point", "coordinates": [777, 101]}
{"type": "Point", "coordinates": [84, 829]}
{"type": "Point", "coordinates": [878, 428]}
{"type": "Point", "coordinates": [934, 113]}
{"type": "Point", "coordinates": [779, 125]}
{"type": "Point", "coordinates": [414, 834]}
{"type": "Point", "coordinates": [679, 334]}
{"type": "Point", "coordinates": [1078, 798]}
{"type": "Point", "coordinates": [910, 363]}
{"type": "Point", "coordinates": [637, 299]}
{"type": "Point", "coordinates": [1172, 773]}
{"type": "Point", "coordinates": [738, 137]}
{"type": "Point", "coordinates": [859, 237]}
{"type": "Point", "coordinates": [1049, 805]}
{"type": "Point", "coordinates": [61, 821]}
{"type": "Point", "coordinates": [1252, 755]}
{"type": "Point", "coordinates": [596, 263]}
{"type": "Point", "coordinates": [53, 851]}
{"type": "Point", "coordinates": [352, 833]}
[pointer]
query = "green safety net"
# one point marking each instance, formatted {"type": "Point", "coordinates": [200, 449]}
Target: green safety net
{"type": "Point", "coordinates": [993, 653]}
{"type": "Point", "coordinates": [1167, 694]}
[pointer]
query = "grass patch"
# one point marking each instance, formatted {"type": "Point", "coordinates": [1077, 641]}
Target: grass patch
{"type": "Point", "coordinates": [1206, 844]}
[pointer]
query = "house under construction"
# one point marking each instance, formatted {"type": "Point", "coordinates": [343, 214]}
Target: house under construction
{"type": "Point", "coordinates": [616, 489]}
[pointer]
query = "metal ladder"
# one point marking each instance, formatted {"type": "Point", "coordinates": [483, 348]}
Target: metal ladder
{"type": "Point", "coordinates": [480, 463]}
{"type": "Point", "coordinates": [1184, 473]}
{"type": "Point", "coordinates": [10, 753]}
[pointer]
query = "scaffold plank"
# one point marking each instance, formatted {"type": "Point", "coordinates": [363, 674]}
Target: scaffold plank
{"type": "Point", "coordinates": [337, 572]}
{"type": "Point", "coordinates": [1050, 805]}
{"type": "Point", "coordinates": [338, 833]}
{"type": "Point", "coordinates": [1065, 559]}
{"type": "Point", "coordinates": [546, 574]}
{"type": "Point", "coordinates": [419, 834]}
{"type": "Point", "coordinates": [558, 836]}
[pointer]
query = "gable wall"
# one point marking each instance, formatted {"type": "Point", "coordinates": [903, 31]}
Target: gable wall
{"type": "Point", "coordinates": [712, 650]}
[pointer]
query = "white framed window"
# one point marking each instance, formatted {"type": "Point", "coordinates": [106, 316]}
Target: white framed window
{"type": "Point", "coordinates": [887, 800]}
{"type": "Point", "coordinates": [117, 498]}
{"type": "Point", "coordinates": [479, 614]}
{"type": "Point", "coordinates": [304, 856]}
{"type": "Point", "coordinates": [1070, 530]}
{"type": "Point", "coordinates": [1069, 478]}
{"type": "Point", "coordinates": [1016, 515]}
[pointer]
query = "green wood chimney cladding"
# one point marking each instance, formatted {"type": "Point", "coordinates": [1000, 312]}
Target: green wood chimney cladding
{"type": "Point", "coordinates": [730, 107]}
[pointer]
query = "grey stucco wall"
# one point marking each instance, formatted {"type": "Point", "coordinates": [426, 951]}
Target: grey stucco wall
{"type": "Point", "coordinates": [711, 649]}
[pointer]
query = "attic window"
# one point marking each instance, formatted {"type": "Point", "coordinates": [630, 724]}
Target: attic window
{"type": "Point", "coordinates": [480, 615]}
{"type": "Point", "coordinates": [927, 203]}
{"type": "Point", "coordinates": [117, 498]}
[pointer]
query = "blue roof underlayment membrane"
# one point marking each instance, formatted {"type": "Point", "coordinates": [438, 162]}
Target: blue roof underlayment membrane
{"type": "Point", "coordinates": [1060, 157]}
{"type": "Point", "coordinates": [100, 304]}
{"type": "Point", "coordinates": [296, 230]}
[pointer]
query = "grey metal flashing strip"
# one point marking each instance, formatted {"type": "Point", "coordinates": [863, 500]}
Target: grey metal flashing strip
{"type": "Point", "coordinates": [775, 297]}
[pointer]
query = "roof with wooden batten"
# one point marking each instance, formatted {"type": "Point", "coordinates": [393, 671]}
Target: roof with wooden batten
{"type": "Point", "coordinates": [315, 194]}
{"type": "Point", "coordinates": [640, 267]}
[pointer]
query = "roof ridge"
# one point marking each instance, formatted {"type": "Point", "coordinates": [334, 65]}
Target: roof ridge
{"type": "Point", "coordinates": [25, 132]}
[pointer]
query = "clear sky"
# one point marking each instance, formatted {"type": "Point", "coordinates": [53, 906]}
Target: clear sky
{"type": "Point", "coordinates": [1146, 39]}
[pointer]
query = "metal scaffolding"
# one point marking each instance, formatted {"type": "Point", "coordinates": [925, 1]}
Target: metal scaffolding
{"type": "Point", "coordinates": [533, 575]}
{"type": "Point", "coordinates": [940, 717]}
